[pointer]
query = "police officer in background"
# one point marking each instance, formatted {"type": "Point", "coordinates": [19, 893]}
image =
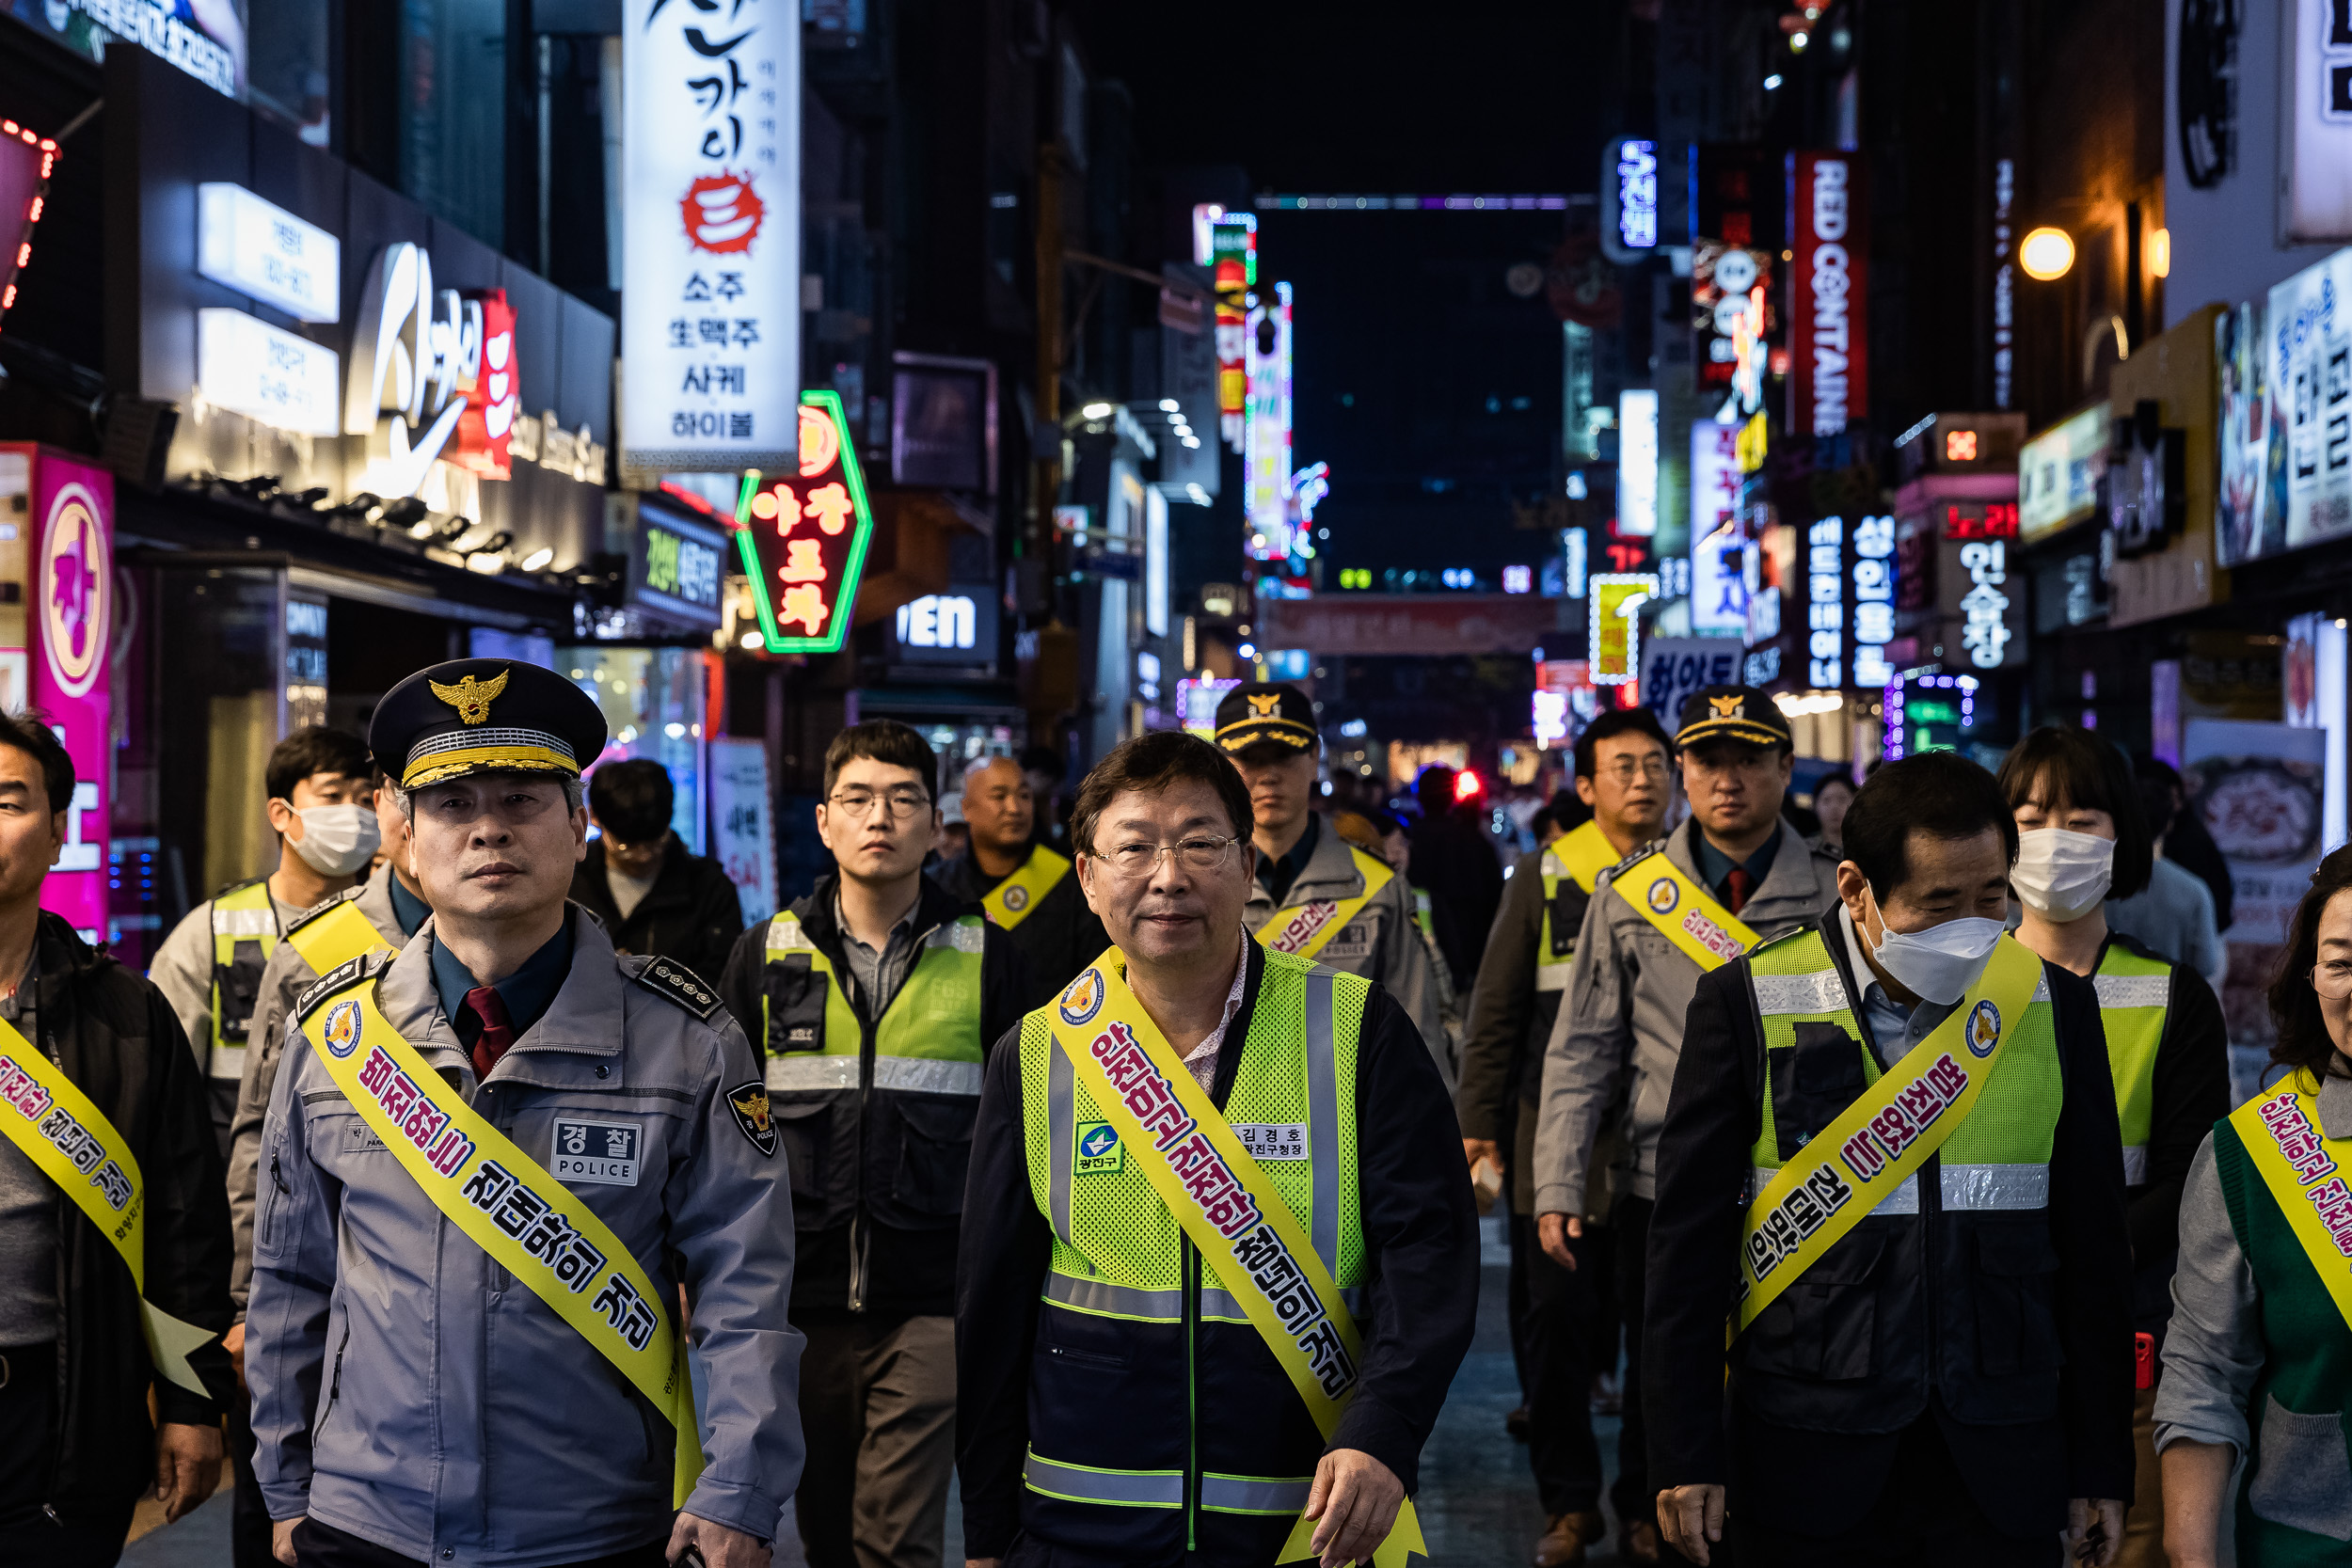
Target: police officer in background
{"type": "Point", "coordinates": [1316, 895]}
{"type": "Point", "coordinates": [1688, 904]}
{"type": "Point", "coordinates": [1023, 886]}
{"type": "Point", "coordinates": [492, 1162]}
{"type": "Point", "coordinates": [1621, 763]}
{"type": "Point", "coordinates": [320, 781]}
{"type": "Point", "coordinates": [876, 999]}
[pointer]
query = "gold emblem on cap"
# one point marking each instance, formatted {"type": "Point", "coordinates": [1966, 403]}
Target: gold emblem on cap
{"type": "Point", "coordinates": [1725, 707]}
{"type": "Point", "coordinates": [470, 697]}
{"type": "Point", "coordinates": [1262, 705]}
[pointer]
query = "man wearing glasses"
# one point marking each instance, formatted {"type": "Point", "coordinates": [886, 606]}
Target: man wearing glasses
{"type": "Point", "coordinates": [1221, 1261]}
{"type": "Point", "coordinates": [874, 1000]}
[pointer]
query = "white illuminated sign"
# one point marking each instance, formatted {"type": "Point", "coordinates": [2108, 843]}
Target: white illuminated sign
{"type": "Point", "coordinates": [1551, 718]}
{"type": "Point", "coordinates": [415, 356]}
{"type": "Point", "coordinates": [1826, 602]}
{"type": "Point", "coordinates": [1572, 548]}
{"type": "Point", "coordinates": [1637, 463]}
{"type": "Point", "coordinates": [938, 621]}
{"type": "Point", "coordinates": [2315, 186]}
{"type": "Point", "coordinates": [1873, 599]}
{"type": "Point", "coordinates": [710, 256]}
{"type": "Point", "coordinates": [1518, 579]}
{"type": "Point", "coordinates": [261, 250]}
{"type": "Point", "coordinates": [1637, 194]}
{"type": "Point", "coordinates": [1719, 595]}
{"type": "Point", "coordinates": [1984, 608]}
{"type": "Point", "coordinates": [248, 367]}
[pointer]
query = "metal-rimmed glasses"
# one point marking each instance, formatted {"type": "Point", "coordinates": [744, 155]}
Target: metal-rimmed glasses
{"type": "Point", "coordinates": [859, 803]}
{"type": "Point", "coordinates": [1200, 853]}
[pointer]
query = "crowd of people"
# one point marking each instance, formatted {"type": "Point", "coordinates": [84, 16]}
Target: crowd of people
{"type": "Point", "coordinates": [1127, 1165]}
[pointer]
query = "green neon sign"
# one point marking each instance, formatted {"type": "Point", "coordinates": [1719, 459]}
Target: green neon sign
{"type": "Point", "coordinates": [803, 536]}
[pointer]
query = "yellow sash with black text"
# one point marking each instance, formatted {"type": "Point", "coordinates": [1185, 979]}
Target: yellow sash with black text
{"type": "Point", "coordinates": [1303, 931]}
{"type": "Point", "coordinates": [1683, 912]}
{"type": "Point", "coordinates": [1873, 1146]}
{"type": "Point", "coordinates": [1584, 853]}
{"type": "Point", "coordinates": [1226, 1205]}
{"type": "Point", "coordinates": [2306, 1173]}
{"type": "Point", "coordinates": [46, 1115]}
{"type": "Point", "coordinates": [506, 1203]}
{"type": "Point", "coordinates": [335, 936]}
{"type": "Point", "coordinates": [1011, 901]}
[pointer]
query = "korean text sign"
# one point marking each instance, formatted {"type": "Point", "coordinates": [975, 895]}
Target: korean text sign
{"type": "Point", "coordinates": [711, 253]}
{"type": "Point", "coordinates": [69, 623]}
{"type": "Point", "coordinates": [802, 534]}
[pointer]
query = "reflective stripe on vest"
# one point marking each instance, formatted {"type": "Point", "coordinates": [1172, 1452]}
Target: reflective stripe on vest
{"type": "Point", "coordinates": [241, 914]}
{"type": "Point", "coordinates": [1999, 1159]}
{"type": "Point", "coordinates": [2133, 994]}
{"type": "Point", "coordinates": [928, 1042]}
{"type": "Point", "coordinates": [1219, 1493]}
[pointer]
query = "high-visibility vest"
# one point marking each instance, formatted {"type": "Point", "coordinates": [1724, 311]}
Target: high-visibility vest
{"type": "Point", "coordinates": [926, 1043]}
{"type": "Point", "coordinates": [1120, 1256]}
{"type": "Point", "coordinates": [243, 914]}
{"type": "Point", "coordinates": [2133, 992]}
{"type": "Point", "coordinates": [1999, 1159]}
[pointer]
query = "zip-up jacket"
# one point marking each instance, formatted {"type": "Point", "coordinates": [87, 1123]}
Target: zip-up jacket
{"type": "Point", "coordinates": [119, 1042]}
{"type": "Point", "coordinates": [690, 913]}
{"type": "Point", "coordinates": [1511, 1015]}
{"type": "Point", "coordinates": [877, 1167]}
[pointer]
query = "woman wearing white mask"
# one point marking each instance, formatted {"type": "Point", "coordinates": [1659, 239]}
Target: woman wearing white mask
{"type": "Point", "coordinates": [2081, 841]}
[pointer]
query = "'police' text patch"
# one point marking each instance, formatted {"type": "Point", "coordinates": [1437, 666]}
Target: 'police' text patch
{"type": "Point", "coordinates": [605, 1153]}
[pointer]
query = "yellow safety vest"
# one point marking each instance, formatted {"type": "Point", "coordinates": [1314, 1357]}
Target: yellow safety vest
{"type": "Point", "coordinates": [2133, 992]}
{"type": "Point", "coordinates": [1011, 901]}
{"type": "Point", "coordinates": [1580, 856]}
{"type": "Point", "coordinates": [928, 1042]}
{"type": "Point", "coordinates": [241, 914]}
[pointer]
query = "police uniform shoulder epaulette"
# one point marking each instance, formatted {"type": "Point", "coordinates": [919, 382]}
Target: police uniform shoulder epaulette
{"type": "Point", "coordinates": [340, 979]}
{"type": "Point", "coordinates": [669, 978]}
{"type": "Point", "coordinates": [1645, 852]}
{"type": "Point", "coordinates": [323, 906]}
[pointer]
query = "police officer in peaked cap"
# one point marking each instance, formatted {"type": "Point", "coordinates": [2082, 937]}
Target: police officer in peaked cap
{"type": "Point", "coordinates": [580, 1128]}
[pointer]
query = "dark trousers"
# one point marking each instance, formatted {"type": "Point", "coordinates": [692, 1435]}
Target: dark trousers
{"type": "Point", "coordinates": [29, 1420]}
{"type": "Point", "coordinates": [318, 1545]}
{"type": "Point", "coordinates": [1632, 1494]}
{"type": "Point", "coordinates": [249, 1515]}
{"type": "Point", "coordinates": [1551, 1313]}
{"type": "Point", "coordinates": [1924, 1519]}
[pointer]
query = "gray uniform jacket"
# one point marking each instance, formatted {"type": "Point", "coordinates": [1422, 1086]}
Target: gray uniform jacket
{"type": "Point", "coordinates": [405, 1391]}
{"type": "Point", "coordinates": [287, 976]}
{"type": "Point", "coordinates": [1380, 943]}
{"type": "Point", "coordinates": [1628, 992]}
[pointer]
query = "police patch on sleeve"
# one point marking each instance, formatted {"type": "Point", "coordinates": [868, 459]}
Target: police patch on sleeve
{"type": "Point", "coordinates": [748, 1104]}
{"type": "Point", "coordinates": [668, 977]}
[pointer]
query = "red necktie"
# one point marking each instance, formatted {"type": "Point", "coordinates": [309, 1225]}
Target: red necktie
{"type": "Point", "coordinates": [498, 1030]}
{"type": "Point", "coordinates": [1737, 887]}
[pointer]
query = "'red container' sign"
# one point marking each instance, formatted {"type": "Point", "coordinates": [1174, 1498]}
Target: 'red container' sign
{"type": "Point", "coordinates": [1828, 300]}
{"type": "Point", "coordinates": [802, 535]}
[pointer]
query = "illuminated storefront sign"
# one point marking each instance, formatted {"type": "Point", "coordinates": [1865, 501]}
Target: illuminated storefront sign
{"type": "Point", "coordinates": [1927, 713]}
{"type": "Point", "coordinates": [711, 248]}
{"type": "Point", "coordinates": [27, 162]}
{"type": "Point", "coordinates": [417, 366]}
{"type": "Point", "coordinates": [1984, 608]}
{"type": "Point", "coordinates": [1613, 635]}
{"type": "Point", "coordinates": [1629, 186]}
{"type": "Point", "coordinates": [2315, 185]}
{"type": "Point", "coordinates": [206, 42]}
{"type": "Point", "coordinates": [1637, 462]}
{"type": "Point", "coordinates": [1874, 573]}
{"type": "Point", "coordinates": [802, 538]}
{"type": "Point", "coordinates": [261, 250]}
{"type": "Point", "coordinates": [674, 567]}
{"type": "Point", "coordinates": [246, 365]}
{"type": "Point", "coordinates": [1266, 457]}
{"type": "Point", "coordinates": [2058, 473]}
{"type": "Point", "coordinates": [1234, 240]}
{"type": "Point", "coordinates": [1719, 597]}
{"type": "Point", "coordinates": [938, 621]}
{"type": "Point", "coordinates": [1829, 337]}
{"type": "Point", "coordinates": [484, 443]}
{"type": "Point", "coordinates": [1736, 228]}
{"type": "Point", "coordinates": [1826, 602]}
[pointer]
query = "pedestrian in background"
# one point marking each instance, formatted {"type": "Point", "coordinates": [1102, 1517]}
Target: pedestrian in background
{"type": "Point", "coordinates": [2187, 842]}
{"type": "Point", "coordinates": [1831, 797]}
{"type": "Point", "coordinates": [1021, 886]}
{"type": "Point", "coordinates": [320, 799]}
{"type": "Point", "coordinates": [1455, 858]}
{"type": "Point", "coordinates": [2173, 915]}
{"type": "Point", "coordinates": [88, 1038]}
{"type": "Point", "coordinates": [654, 896]}
{"type": "Point", "coordinates": [1045, 769]}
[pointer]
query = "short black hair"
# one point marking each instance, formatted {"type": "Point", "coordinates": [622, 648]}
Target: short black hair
{"type": "Point", "coordinates": [30, 733]}
{"type": "Point", "coordinates": [1434, 790]}
{"type": "Point", "coordinates": [1150, 763]}
{"type": "Point", "coordinates": [1941, 794]}
{"type": "Point", "coordinates": [1569, 809]}
{"type": "Point", "coordinates": [314, 749]}
{"type": "Point", "coordinates": [1616, 721]}
{"type": "Point", "coordinates": [884, 741]}
{"type": "Point", "coordinates": [633, 799]}
{"type": "Point", "coordinates": [1844, 781]}
{"type": "Point", "coordinates": [2303, 1040]}
{"type": "Point", "coordinates": [2074, 767]}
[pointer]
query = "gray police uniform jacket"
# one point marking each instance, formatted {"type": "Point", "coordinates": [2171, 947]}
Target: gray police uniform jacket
{"type": "Point", "coordinates": [1382, 943]}
{"type": "Point", "coordinates": [407, 1390]}
{"type": "Point", "coordinates": [1628, 993]}
{"type": "Point", "coordinates": [286, 976]}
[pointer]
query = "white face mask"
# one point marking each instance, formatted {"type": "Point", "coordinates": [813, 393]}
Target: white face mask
{"type": "Point", "coordinates": [337, 841]}
{"type": "Point", "coordinates": [1940, 963]}
{"type": "Point", "coordinates": [2063, 875]}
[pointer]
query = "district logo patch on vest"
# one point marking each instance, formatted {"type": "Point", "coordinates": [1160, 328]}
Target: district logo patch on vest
{"type": "Point", "coordinates": [1097, 1150]}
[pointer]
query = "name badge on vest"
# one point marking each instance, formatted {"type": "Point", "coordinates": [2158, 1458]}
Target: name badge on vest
{"type": "Point", "coordinates": [1273, 1140]}
{"type": "Point", "coordinates": [604, 1153]}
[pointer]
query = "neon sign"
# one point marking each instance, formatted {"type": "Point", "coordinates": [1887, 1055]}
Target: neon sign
{"type": "Point", "coordinates": [802, 537]}
{"type": "Point", "coordinates": [1637, 462]}
{"type": "Point", "coordinates": [27, 162]}
{"type": "Point", "coordinates": [1873, 599]}
{"type": "Point", "coordinates": [1614, 635]}
{"type": "Point", "coordinates": [1629, 187]}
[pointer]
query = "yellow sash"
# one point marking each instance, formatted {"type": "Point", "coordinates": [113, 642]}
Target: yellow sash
{"type": "Point", "coordinates": [2305, 1170]}
{"type": "Point", "coordinates": [1008, 902]}
{"type": "Point", "coordinates": [1229, 1208]}
{"type": "Point", "coordinates": [530, 1224]}
{"type": "Point", "coordinates": [1584, 854]}
{"type": "Point", "coordinates": [48, 1117]}
{"type": "Point", "coordinates": [1303, 931]}
{"type": "Point", "coordinates": [1877, 1142]}
{"type": "Point", "coordinates": [1682, 911]}
{"type": "Point", "coordinates": [332, 939]}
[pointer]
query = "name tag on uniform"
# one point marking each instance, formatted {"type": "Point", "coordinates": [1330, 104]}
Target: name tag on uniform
{"type": "Point", "coordinates": [601, 1152]}
{"type": "Point", "coordinates": [1354, 942]}
{"type": "Point", "coordinates": [1285, 1140]}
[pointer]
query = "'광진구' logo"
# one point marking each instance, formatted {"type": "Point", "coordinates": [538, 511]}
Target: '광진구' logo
{"type": "Point", "coordinates": [343, 1029]}
{"type": "Point", "coordinates": [1098, 1150]}
{"type": "Point", "coordinates": [1663, 895]}
{"type": "Point", "coordinates": [1984, 1028]}
{"type": "Point", "coordinates": [1082, 1001]}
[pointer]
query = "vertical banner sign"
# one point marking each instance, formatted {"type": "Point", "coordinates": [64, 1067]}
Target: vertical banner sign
{"type": "Point", "coordinates": [1233, 241]}
{"type": "Point", "coordinates": [70, 626]}
{"type": "Point", "coordinates": [1637, 462]}
{"type": "Point", "coordinates": [2310, 341]}
{"type": "Point", "coordinates": [1826, 602]}
{"type": "Point", "coordinates": [710, 320]}
{"type": "Point", "coordinates": [743, 824]}
{"type": "Point", "coordinates": [1829, 297]}
{"type": "Point", "coordinates": [2315, 176]}
{"type": "Point", "coordinates": [1735, 243]}
{"type": "Point", "coordinates": [802, 535]}
{"type": "Point", "coordinates": [1615, 635]}
{"type": "Point", "coordinates": [1719, 595]}
{"type": "Point", "coordinates": [1266, 460]}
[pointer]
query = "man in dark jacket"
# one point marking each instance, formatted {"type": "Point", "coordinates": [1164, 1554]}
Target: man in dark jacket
{"type": "Point", "coordinates": [1947, 1381]}
{"type": "Point", "coordinates": [76, 1445]}
{"type": "Point", "coordinates": [1019, 883]}
{"type": "Point", "coordinates": [875, 1000]}
{"type": "Point", "coordinates": [654, 894]}
{"type": "Point", "coordinates": [1455, 863]}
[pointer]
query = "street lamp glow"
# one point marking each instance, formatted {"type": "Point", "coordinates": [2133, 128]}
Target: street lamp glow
{"type": "Point", "coordinates": [538, 559]}
{"type": "Point", "coordinates": [1169, 406]}
{"type": "Point", "coordinates": [1096, 410]}
{"type": "Point", "coordinates": [2046, 253]}
{"type": "Point", "coordinates": [1772, 83]}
